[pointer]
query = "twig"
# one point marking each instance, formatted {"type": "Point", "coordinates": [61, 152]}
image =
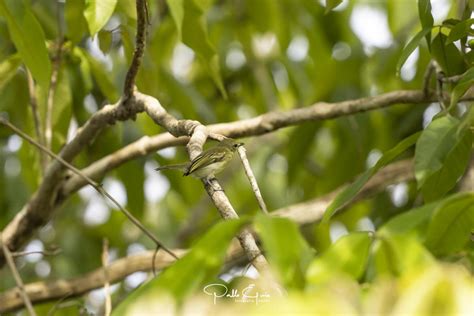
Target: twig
{"type": "Point", "coordinates": [17, 277]}
{"type": "Point", "coordinates": [48, 131]}
{"type": "Point", "coordinates": [53, 252]}
{"type": "Point", "coordinates": [427, 78]}
{"type": "Point", "coordinates": [140, 41]}
{"type": "Point", "coordinates": [251, 177]}
{"type": "Point", "coordinates": [452, 79]}
{"type": "Point", "coordinates": [94, 184]}
{"type": "Point", "coordinates": [105, 260]}
{"type": "Point", "coordinates": [439, 84]}
{"type": "Point", "coordinates": [439, 89]}
{"type": "Point", "coordinates": [36, 117]}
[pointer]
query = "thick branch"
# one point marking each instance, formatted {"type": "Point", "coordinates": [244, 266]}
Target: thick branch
{"type": "Point", "coordinates": [259, 125]}
{"type": "Point", "coordinates": [116, 271]}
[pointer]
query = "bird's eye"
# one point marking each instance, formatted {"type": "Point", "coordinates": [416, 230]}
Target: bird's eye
{"type": "Point", "coordinates": [235, 145]}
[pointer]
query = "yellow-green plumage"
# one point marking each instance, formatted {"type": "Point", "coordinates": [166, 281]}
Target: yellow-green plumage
{"type": "Point", "coordinates": [209, 162]}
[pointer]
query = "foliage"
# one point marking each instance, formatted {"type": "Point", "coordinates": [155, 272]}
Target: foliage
{"type": "Point", "coordinates": [407, 249]}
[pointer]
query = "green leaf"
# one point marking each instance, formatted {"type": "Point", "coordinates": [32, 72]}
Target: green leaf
{"type": "Point", "coordinates": [107, 87]}
{"type": "Point", "coordinates": [8, 69]}
{"type": "Point", "coordinates": [348, 256]}
{"type": "Point", "coordinates": [350, 192]}
{"type": "Point", "coordinates": [29, 39]}
{"type": "Point", "coordinates": [461, 87]}
{"type": "Point", "coordinates": [331, 4]}
{"type": "Point", "coordinates": [441, 156]}
{"type": "Point", "coordinates": [443, 180]}
{"type": "Point", "coordinates": [177, 12]}
{"type": "Point", "coordinates": [450, 228]}
{"type": "Point", "coordinates": [133, 185]}
{"type": "Point", "coordinates": [412, 221]}
{"type": "Point", "coordinates": [190, 20]}
{"type": "Point", "coordinates": [200, 265]}
{"type": "Point", "coordinates": [447, 55]}
{"type": "Point", "coordinates": [286, 249]}
{"type": "Point", "coordinates": [97, 13]}
{"type": "Point", "coordinates": [396, 255]}
{"type": "Point", "coordinates": [76, 25]}
{"type": "Point", "coordinates": [460, 30]}
{"type": "Point", "coordinates": [410, 47]}
{"type": "Point", "coordinates": [426, 19]}
{"type": "Point", "coordinates": [105, 41]}
{"type": "Point", "coordinates": [62, 109]}
{"type": "Point", "coordinates": [298, 148]}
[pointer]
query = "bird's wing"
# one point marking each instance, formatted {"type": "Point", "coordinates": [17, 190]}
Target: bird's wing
{"type": "Point", "coordinates": [205, 159]}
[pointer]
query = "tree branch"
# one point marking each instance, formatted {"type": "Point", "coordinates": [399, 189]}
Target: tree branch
{"type": "Point", "coordinates": [95, 185]}
{"type": "Point", "coordinates": [36, 116]}
{"type": "Point", "coordinates": [48, 131]}
{"type": "Point", "coordinates": [19, 282]}
{"type": "Point", "coordinates": [252, 180]}
{"type": "Point", "coordinates": [105, 263]}
{"type": "Point", "coordinates": [259, 125]}
{"type": "Point", "coordinates": [140, 41]}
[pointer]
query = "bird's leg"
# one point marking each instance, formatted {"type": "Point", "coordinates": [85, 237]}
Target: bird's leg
{"type": "Point", "coordinates": [208, 184]}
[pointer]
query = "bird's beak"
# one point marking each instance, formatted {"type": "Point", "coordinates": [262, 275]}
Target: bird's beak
{"type": "Point", "coordinates": [240, 144]}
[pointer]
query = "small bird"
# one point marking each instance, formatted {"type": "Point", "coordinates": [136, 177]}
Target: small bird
{"type": "Point", "coordinates": [210, 162]}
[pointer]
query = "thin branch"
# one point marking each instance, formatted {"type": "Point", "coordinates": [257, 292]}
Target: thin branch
{"type": "Point", "coordinates": [48, 131]}
{"type": "Point", "coordinates": [94, 184]}
{"type": "Point", "coordinates": [140, 41]}
{"type": "Point", "coordinates": [452, 79]}
{"type": "Point", "coordinates": [36, 116]}
{"type": "Point", "coordinates": [17, 277]}
{"type": "Point", "coordinates": [439, 84]}
{"type": "Point", "coordinates": [252, 179]}
{"type": "Point", "coordinates": [439, 89]}
{"type": "Point", "coordinates": [53, 252]}
{"type": "Point", "coordinates": [105, 261]}
{"type": "Point", "coordinates": [427, 78]}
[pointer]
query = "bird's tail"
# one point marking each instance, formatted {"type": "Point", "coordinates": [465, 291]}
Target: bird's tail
{"type": "Point", "coordinates": [182, 167]}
